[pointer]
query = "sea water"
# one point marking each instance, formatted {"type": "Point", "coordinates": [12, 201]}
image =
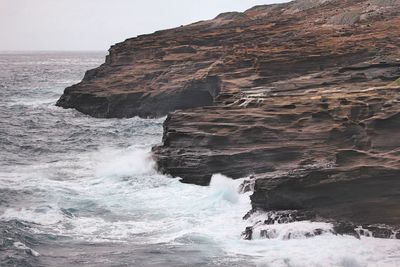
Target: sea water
{"type": "Point", "coordinates": [81, 191]}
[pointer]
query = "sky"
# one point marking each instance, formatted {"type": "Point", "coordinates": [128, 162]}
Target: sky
{"type": "Point", "coordinates": [30, 25]}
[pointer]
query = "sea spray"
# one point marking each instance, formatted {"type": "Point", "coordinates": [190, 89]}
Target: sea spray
{"type": "Point", "coordinates": [225, 188]}
{"type": "Point", "coordinates": [124, 162]}
{"type": "Point", "coordinates": [86, 192]}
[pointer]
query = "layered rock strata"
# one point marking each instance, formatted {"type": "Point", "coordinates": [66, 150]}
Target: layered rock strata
{"type": "Point", "coordinates": [303, 96]}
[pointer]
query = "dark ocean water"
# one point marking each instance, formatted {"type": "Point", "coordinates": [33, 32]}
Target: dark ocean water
{"type": "Point", "coordinates": [80, 191]}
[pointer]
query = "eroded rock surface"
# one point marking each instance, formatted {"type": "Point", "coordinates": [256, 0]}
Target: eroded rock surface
{"type": "Point", "coordinates": [295, 224]}
{"type": "Point", "coordinates": [304, 96]}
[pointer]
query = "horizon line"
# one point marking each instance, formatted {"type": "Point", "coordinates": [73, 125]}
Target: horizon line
{"type": "Point", "coordinates": [51, 50]}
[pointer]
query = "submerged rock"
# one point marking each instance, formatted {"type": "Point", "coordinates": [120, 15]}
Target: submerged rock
{"type": "Point", "coordinates": [301, 95]}
{"type": "Point", "coordinates": [248, 233]}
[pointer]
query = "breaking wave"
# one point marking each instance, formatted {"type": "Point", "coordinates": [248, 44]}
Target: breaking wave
{"type": "Point", "coordinates": [76, 190]}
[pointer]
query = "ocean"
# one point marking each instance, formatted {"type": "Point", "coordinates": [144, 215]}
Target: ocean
{"type": "Point", "coordinates": [81, 191]}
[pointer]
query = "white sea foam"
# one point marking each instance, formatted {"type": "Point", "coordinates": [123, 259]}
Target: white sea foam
{"type": "Point", "coordinates": [38, 215]}
{"type": "Point", "coordinates": [22, 246]}
{"type": "Point", "coordinates": [127, 162]}
{"type": "Point", "coordinates": [225, 188]}
{"type": "Point", "coordinates": [113, 194]}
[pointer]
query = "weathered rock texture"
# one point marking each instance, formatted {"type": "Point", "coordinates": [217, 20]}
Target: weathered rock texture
{"type": "Point", "coordinates": [301, 95]}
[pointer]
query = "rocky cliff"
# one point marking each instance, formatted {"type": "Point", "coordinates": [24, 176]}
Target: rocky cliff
{"type": "Point", "coordinates": [304, 97]}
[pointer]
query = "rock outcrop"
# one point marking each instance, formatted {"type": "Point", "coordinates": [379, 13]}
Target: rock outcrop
{"type": "Point", "coordinates": [303, 96]}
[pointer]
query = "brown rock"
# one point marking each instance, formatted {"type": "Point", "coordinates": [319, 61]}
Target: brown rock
{"type": "Point", "coordinates": [302, 95]}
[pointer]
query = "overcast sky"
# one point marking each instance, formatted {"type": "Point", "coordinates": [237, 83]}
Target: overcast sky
{"type": "Point", "coordinates": [97, 24]}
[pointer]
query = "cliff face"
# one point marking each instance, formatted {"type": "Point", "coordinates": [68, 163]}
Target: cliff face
{"type": "Point", "coordinates": [302, 96]}
{"type": "Point", "coordinates": [187, 67]}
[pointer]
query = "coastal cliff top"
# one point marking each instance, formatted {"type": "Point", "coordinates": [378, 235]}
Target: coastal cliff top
{"type": "Point", "coordinates": [235, 52]}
